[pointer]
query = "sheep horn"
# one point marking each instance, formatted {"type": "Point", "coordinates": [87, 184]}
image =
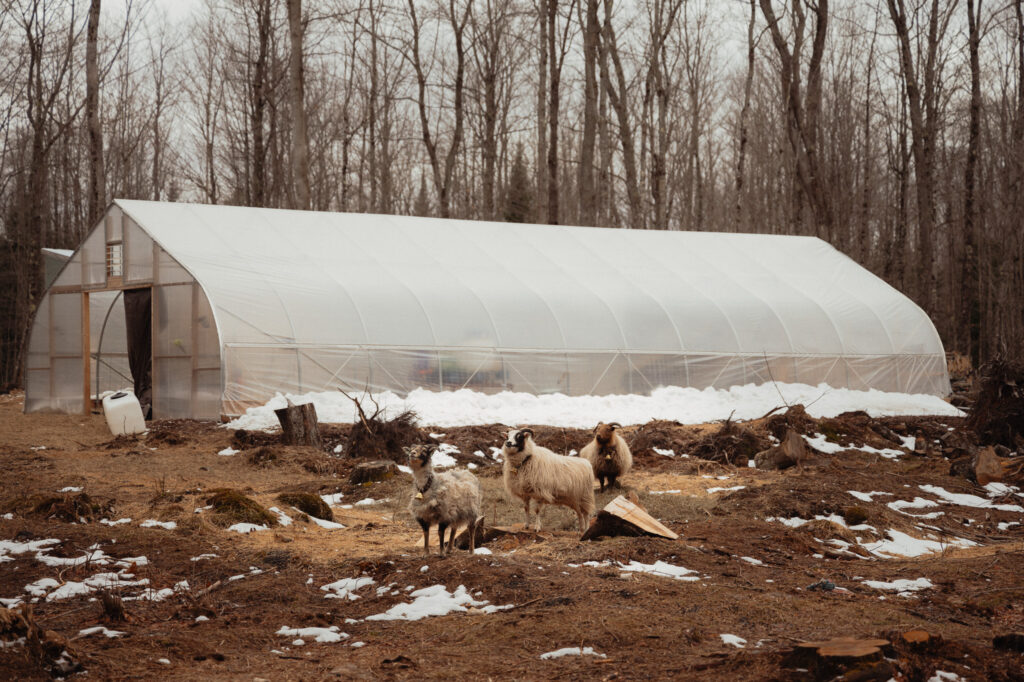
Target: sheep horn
{"type": "Point", "coordinates": [526, 432]}
{"type": "Point", "coordinates": [615, 425]}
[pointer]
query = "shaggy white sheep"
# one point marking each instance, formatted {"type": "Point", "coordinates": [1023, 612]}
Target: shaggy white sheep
{"type": "Point", "coordinates": [535, 474]}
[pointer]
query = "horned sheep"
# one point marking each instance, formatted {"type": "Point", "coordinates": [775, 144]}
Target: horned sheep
{"type": "Point", "coordinates": [535, 474]}
{"type": "Point", "coordinates": [608, 454]}
{"type": "Point", "coordinates": [445, 499]}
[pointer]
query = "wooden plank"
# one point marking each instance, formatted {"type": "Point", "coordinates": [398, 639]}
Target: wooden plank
{"type": "Point", "coordinates": [86, 357]}
{"type": "Point", "coordinates": [636, 515]}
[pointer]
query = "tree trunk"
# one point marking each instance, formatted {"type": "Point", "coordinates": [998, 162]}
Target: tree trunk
{"type": "Point", "coordinates": [591, 37]}
{"type": "Point", "coordinates": [970, 304]}
{"type": "Point", "coordinates": [555, 72]}
{"type": "Point", "coordinates": [744, 115]}
{"type": "Point", "coordinates": [258, 187]}
{"type": "Point", "coordinates": [300, 138]}
{"type": "Point", "coordinates": [540, 163]}
{"type": "Point", "coordinates": [97, 178]}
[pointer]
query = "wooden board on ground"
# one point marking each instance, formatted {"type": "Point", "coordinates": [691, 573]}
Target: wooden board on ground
{"type": "Point", "coordinates": [622, 517]}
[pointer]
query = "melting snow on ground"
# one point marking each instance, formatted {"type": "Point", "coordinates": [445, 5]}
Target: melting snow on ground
{"type": "Point", "coordinates": [965, 500]}
{"type": "Point", "coordinates": [686, 405]}
{"type": "Point", "coordinates": [246, 528]}
{"type": "Point", "coordinates": [866, 497]}
{"type": "Point", "coordinates": [725, 490]}
{"type": "Point", "coordinates": [904, 587]}
{"type": "Point", "coordinates": [572, 651]}
{"type": "Point", "coordinates": [436, 600]}
{"type": "Point", "coordinates": [325, 635]}
{"type": "Point", "coordinates": [442, 457]}
{"type": "Point", "coordinates": [153, 523]}
{"type": "Point", "coordinates": [228, 451]}
{"type": "Point", "coordinates": [345, 588]}
{"type": "Point", "coordinates": [100, 630]}
{"type": "Point", "coordinates": [821, 443]}
{"type": "Point", "coordinates": [662, 569]}
{"type": "Point", "coordinates": [734, 640]}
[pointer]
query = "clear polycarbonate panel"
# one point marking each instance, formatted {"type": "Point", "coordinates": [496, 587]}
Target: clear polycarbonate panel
{"type": "Point", "coordinates": [37, 390]}
{"type": "Point", "coordinates": [172, 389]}
{"type": "Point", "coordinates": [206, 395]}
{"type": "Point", "coordinates": [113, 224]}
{"type": "Point", "coordinates": [555, 304]}
{"type": "Point", "coordinates": [66, 317]}
{"type": "Point", "coordinates": [109, 342]}
{"type": "Point", "coordinates": [71, 274]}
{"type": "Point", "coordinates": [169, 271]}
{"type": "Point", "coordinates": [67, 382]}
{"type": "Point", "coordinates": [93, 255]}
{"type": "Point", "coordinates": [328, 369]}
{"type": "Point", "coordinates": [39, 340]}
{"type": "Point", "coordinates": [138, 251]}
{"type": "Point", "coordinates": [173, 319]}
{"type": "Point", "coordinates": [207, 343]}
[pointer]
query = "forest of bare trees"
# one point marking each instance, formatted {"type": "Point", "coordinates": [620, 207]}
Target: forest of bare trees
{"type": "Point", "coordinates": [893, 129]}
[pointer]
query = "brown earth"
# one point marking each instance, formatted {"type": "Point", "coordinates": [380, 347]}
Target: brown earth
{"type": "Point", "coordinates": [647, 626]}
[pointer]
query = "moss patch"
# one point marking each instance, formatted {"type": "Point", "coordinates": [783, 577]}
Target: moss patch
{"type": "Point", "coordinates": [231, 506]}
{"type": "Point", "coordinates": [308, 503]}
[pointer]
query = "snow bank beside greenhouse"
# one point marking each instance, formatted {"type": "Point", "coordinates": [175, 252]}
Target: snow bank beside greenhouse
{"type": "Point", "coordinates": [685, 405]}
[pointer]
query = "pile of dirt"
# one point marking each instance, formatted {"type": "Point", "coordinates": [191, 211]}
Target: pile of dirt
{"type": "Point", "coordinates": [69, 508]}
{"type": "Point", "coordinates": [795, 418]}
{"type": "Point", "coordinates": [375, 437]}
{"type": "Point", "coordinates": [230, 507]}
{"type": "Point", "coordinates": [732, 443]}
{"type": "Point", "coordinates": [998, 415]}
{"type": "Point", "coordinates": [244, 440]}
{"type": "Point", "coordinates": [20, 632]}
{"type": "Point", "coordinates": [661, 434]}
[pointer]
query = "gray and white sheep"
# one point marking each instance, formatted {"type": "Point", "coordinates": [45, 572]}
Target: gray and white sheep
{"type": "Point", "coordinates": [445, 499]}
{"type": "Point", "coordinates": [608, 454]}
{"type": "Point", "coordinates": [535, 474]}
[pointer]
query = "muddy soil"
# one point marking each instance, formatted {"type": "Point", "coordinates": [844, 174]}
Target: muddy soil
{"type": "Point", "coordinates": [750, 573]}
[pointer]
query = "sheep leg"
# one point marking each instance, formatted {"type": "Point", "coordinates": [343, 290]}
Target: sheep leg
{"type": "Point", "coordinates": [426, 536]}
{"type": "Point", "coordinates": [601, 481]}
{"type": "Point", "coordinates": [540, 507]}
{"type": "Point", "coordinates": [582, 520]}
{"type": "Point", "coordinates": [612, 482]}
{"type": "Point", "coordinates": [451, 537]}
{"type": "Point", "coordinates": [526, 508]}
{"type": "Point", "coordinates": [441, 528]}
{"type": "Point", "coordinates": [472, 534]}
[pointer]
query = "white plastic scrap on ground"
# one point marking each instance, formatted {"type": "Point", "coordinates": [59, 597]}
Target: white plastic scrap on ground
{"type": "Point", "coordinates": [572, 651]}
{"type": "Point", "coordinates": [738, 642]}
{"type": "Point", "coordinates": [686, 405]}
{"type": "Point", "coordinates": [436, 600]}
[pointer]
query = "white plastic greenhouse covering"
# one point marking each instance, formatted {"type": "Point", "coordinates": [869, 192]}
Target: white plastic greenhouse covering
{"type": "Point", "coordinates": [307, 301]}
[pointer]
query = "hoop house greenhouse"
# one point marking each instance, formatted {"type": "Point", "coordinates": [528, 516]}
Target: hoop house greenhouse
{"type": "Point", "coordinates": [216, 308]}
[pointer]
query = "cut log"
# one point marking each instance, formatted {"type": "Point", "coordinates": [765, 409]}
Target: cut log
{"type": "Point", "coordinates": [917, 636]}
{"type": "Point", "coordinates": [299, 425]}
{"type": "Point", "coordinates": [486, 535]}
{"type": "Point", "coordinates": [370, 472]}
{"type": "Point", "coordinates": [622, 517]}
{"type": "Point", "coordinates": [845, 647]}
{"type": "Point", "coordinates": [790, 452]}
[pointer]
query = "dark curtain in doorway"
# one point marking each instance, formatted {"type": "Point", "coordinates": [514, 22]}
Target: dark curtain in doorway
{"type": "Point", "coordinates": [138, 310]}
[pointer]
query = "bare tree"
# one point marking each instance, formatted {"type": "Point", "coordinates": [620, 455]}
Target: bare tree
{"type": "Point", "coordinates": [97, 179]}
{"type": "Point", "coordinates": [297, 92]}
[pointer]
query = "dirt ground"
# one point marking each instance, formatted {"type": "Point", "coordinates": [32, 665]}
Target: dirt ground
{"type": "Point", "coordinates": [752, 576]}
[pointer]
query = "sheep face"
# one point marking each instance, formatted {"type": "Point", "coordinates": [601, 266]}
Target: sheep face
{"type": "Point", "coordinates": [419, 456]}
{"type": "Point", "coordinates": [516, 439]}
{"type": "Point", "coordinates": [605, 432]}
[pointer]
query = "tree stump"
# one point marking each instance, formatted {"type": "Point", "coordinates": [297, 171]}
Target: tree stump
{"type": "Point", "coordinates": [623, 517]}
{"type": "Point", "coordinates": [790, 452]}
{"type": "Point", "coordinates": [369, 472]}
{"type": "Point", "coordinates": [299, 425]}
{"type": "Point", "coordinates": [827, 659]}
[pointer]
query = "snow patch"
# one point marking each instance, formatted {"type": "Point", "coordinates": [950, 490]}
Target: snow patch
{"type": "Point", "coordinates": [686, 405]}
{"type": "Point", "coordinates": [572, 651]}
{"type": "Point", "coordinates": [738, 642]}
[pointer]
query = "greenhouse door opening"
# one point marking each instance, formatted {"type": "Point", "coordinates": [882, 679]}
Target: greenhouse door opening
{"type": "Point", "coordinates": [138, 313]}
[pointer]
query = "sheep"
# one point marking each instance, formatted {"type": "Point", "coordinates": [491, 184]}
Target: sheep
{"type": "Point", "coordinates": [535, 474]}
{"type": "Point", "coordinates": [608, 454]}
{"type": "Point", "coordinates": [450, 498]}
